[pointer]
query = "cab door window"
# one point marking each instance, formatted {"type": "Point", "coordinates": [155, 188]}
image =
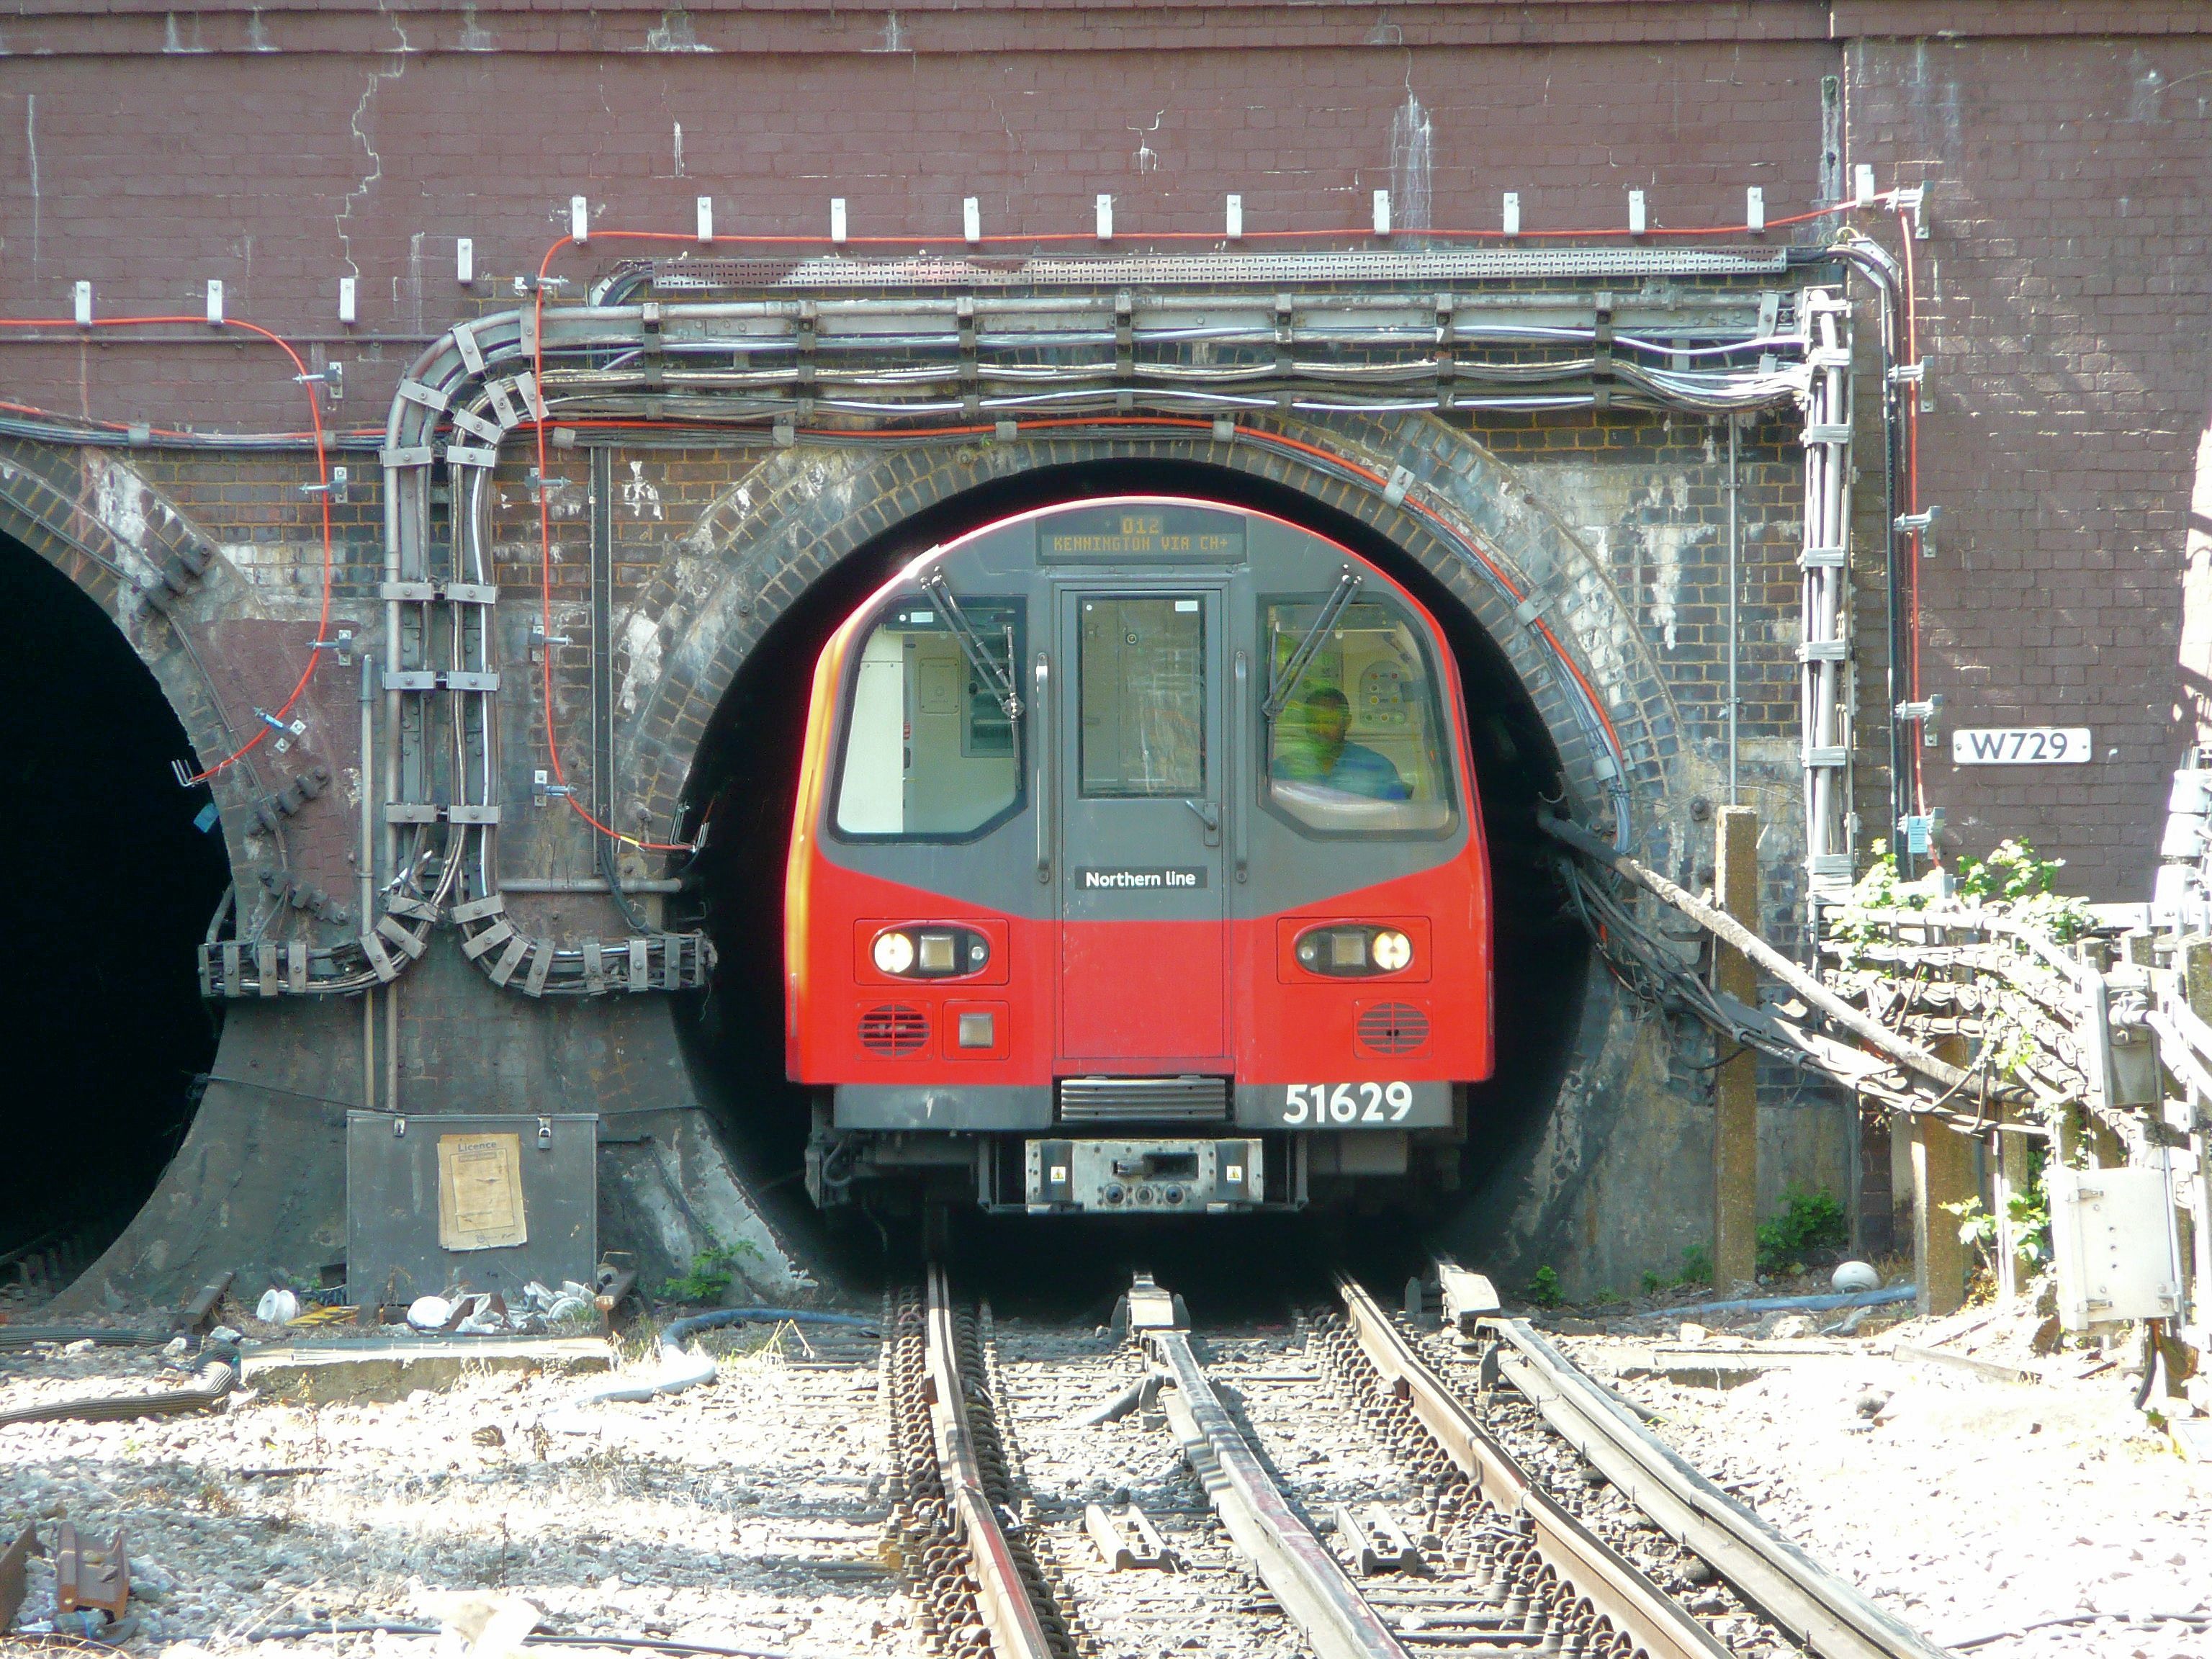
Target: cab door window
{"type": "Point", "coordinates": [1143, 696]}
{"type": "Point", "coordinates": [1360, 747]}
{"type": "Point", "coordinates": [928, 750]}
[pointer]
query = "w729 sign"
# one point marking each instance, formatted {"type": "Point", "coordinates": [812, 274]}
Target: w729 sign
{"type": "Point", "coordinates": [2020, 745]}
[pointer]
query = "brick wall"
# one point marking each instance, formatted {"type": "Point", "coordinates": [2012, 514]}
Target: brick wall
{"type": "Point", "coordinates": [2066, 298]}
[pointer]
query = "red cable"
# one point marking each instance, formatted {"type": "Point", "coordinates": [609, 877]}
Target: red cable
{"type": "Point", "coordinates": [322, 473]}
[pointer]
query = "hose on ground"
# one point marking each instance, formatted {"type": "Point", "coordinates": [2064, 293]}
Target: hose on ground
{"type": "Point", "coordinates": [217, 1376]}
{"type": "Point", "coordinates": [684, 1368]}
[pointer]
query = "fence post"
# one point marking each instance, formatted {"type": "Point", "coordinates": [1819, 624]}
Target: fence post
{"type": "Point", "coordinates": [1942, 1173]}
{"type": "Point", "coordinates": [1735, 1084]}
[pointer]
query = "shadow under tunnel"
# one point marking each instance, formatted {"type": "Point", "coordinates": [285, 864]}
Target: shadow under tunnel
{"type": "Point", "coordinates": [115, 871]}
{"type": "Point", "coordinates": [745, 784]}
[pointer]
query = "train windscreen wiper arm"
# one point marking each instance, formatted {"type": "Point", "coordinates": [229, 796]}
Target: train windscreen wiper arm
{"type": "Point", "coordinates": [998, 680]}
{"type": "Point", "coordinates": [1331, 609]}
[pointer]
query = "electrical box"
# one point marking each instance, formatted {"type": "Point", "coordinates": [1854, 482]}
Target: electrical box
{"type": "Point", "coordinates": [469, 1201]}
{"type": "Point", "coordinates": [2114, 1244]}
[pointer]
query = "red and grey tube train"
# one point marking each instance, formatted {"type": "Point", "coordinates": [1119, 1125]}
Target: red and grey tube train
{"type": "Point", "coordinates": [1137, 869]}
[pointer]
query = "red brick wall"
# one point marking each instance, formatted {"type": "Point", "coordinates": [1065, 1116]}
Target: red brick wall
{"type": "Point", "coordinates": [277, 148]}
{"type": "Point", "coordinates": [2066, 296]}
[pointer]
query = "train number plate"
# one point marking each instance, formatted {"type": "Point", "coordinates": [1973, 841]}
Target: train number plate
{"type": "Point", "coordinates": [1359, 1105]}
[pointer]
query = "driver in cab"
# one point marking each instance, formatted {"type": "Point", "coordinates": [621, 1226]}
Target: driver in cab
{"type": "Point", "coordinates": [1313, 747]}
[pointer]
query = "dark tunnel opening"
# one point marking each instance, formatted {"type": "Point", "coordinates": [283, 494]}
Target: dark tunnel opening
{"type": "Point", "coordinates": [746, 780]}
{"type": "Point", "coordinates": [116, 873]}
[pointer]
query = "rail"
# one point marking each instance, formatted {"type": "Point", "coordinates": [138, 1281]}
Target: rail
{"type": "Point", "coordinates": [1293, 1563]}
{"type": "Point", "coordinates": [1819, 1610]}
{"type": "Point", "coordinates": [1656, 1624]}
{"type": "Point", "coordinates": [1009, 1615]}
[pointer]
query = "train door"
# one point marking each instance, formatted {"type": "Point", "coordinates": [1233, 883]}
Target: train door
{"type": "Point", "coordinates": [1142, 759]}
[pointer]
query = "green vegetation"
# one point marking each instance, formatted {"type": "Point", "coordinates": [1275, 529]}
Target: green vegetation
{"type": "Point", "coordinates": [1543, 1289]}
{"type": "Point", "coordinates": [1697, 1269]}
{"type": "Point", "coordinates": [713, 1271]}
{"type": "Point", "coordinates": [1809, 1221]}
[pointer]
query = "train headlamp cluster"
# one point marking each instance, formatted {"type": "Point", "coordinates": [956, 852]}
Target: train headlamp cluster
{"type": "Point", "coordinates": [924, 953]}
{"type": "Point", "coordinates": [1347, 950]}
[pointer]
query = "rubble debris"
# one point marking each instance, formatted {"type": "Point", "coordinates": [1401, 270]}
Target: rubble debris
{"type": "Point", "coordinates": [12, 1578]}
{"type": "Point", "coordinates": [89, 1576]}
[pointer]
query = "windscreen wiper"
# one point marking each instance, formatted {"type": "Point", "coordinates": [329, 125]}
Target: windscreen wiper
{"type": "Point", "coordinates": [1331, 609]}
{"type": "Point", "coordinates": [999, 681]}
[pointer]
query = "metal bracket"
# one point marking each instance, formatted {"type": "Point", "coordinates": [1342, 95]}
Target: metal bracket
{"type": "Point", "coordinates": [335, 488]}
{"type": "Point", "coordinates": [1924, 525]}
{"type": "Point", "coordinates": [286, 731]}
{"type": "Point", "coordinates": [540, 639]}
{"type": "Point", "coordinates": [524, 285]}
{"type": "Point", "coordinates": [543, 789]}
{"type": "Point", "coordinates": [1924, 714]}
{"type": "Point", "coordinates": [331, 377]}
{"type": "Point", "coordinates": [343, 645]}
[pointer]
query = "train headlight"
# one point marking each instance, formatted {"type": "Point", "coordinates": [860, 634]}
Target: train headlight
{"type": "Point", "coordinates": [894, 953]}
{"type": "Point", "coordinates": [1391, 949]}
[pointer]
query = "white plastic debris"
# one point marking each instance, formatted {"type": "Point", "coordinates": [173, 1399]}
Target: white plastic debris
{"type": "Point", "coordinates": [430, 1313]}
{"type": "Point", "coordinates": [1852, 1278]}
{"type": "Point", "coordinates": [277, 1307]}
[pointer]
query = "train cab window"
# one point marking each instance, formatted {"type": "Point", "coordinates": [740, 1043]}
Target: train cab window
{"type": "Point", "coordinates": [1142, 691]}
{"type": "Point", "coordinates": [929, 753]}
{"type": "Point", "coordinates": [1360, 747]}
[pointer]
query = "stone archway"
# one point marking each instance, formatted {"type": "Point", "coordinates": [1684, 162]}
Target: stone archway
{"type": "Point", "coordinates": [1607, 1109]}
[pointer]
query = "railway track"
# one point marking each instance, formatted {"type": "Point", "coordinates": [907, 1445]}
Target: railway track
{"type": "Point", "coordinates": [1341, 1484]}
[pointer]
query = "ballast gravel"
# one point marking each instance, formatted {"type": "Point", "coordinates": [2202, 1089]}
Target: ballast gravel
{"type": "Point", "coordinates": [744, 1513]}
{"type": "Point", "coordinates": [1971, 1507]}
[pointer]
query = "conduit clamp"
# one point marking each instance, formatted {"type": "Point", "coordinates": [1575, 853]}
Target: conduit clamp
{"type": "Point", "coordinates": [441, 679]}
{"type": "Point", "coordinates": [1823, 558]}
{"type": "Point", "coordinates": [399, 904]}
{"type": "Point", "coordinates": [1825, 650]}
{"type": "Point", "coordinates": [1393, 492]}
{"type": "Point", "coordinates": [399, 455]}
{"type": "Point", "coordinates": [510, 959]}
{"type": "Point", "coordinates": [478, 909]}
{"type": "Point", "coordinates": [1529, 609]}
{"type": "Point", "coordinates": [476, 427]}
{"type": "Point", "coordinates": [1286, 318]}
{"type": "Point", "coordinates": [419, 811]}
{"type": "Point", "coordinates": [464, 341]}
{"type": "Point", "coordinates": [541, 967]}
{"type": "Point", "coordinates": [379, 959]}
{"type": "Point", "coordinates": [429, 397]}
{"type": "Point", "coordinates": [402, 936]}
{"type": "Point", "coordinates": [1601, 350]}
{"type": "Point", "coordinates": [441, 592]}
{"type": "Point", "coordinates": [469, 455]}
{"type": "Point", "coordinates": [649, 343]}
{"type": "Point", "coordinates": [1827, 757]}
{"type": "Point", "coordinates": [492, 937]}
{"type": "Point", "coordinates": [1825, 433]}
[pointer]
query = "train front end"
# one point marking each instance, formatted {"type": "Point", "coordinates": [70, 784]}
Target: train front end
{"type": "Point", "coordinates": [1137, 870]}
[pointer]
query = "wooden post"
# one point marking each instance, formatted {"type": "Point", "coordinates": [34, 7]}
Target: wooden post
{"type": "Point", "coordinates": [2012, 1177]}
{"type": "Point", "coordinates": [1942, 1173]}
{"type": "Point", "coordinates": [1736, 1085]}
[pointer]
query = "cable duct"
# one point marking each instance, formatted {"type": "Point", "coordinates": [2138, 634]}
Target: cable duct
{"type": "Point", "coordinates": [871, 368]}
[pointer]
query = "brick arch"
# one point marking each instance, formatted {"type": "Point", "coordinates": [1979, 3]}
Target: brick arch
{"type": "Point", "coordinates": [51, 501]}
{"type": "Point", "coordinates": [800, 513]}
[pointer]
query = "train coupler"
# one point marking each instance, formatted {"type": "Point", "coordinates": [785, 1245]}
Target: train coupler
{"type": "Point", "coordinates": [1153, 1177]}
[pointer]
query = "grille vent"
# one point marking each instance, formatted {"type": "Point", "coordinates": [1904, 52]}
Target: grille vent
{"type": "Point", "coordinates": [1393, 1028]}
{"type": "Point", "coordinates": [1143, 1099]}
{"type": "Point", "coordinates": [894, 1030]}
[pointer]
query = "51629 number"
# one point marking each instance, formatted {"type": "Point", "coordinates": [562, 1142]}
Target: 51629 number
{"type": "Point", "coordinates": [1347, 1103]}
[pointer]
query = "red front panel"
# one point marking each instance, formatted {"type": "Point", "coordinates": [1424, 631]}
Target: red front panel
{"type": "Point", "coordinates": [1290, 1026]}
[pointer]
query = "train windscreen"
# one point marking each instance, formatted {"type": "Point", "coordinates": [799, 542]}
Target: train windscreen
{"type": "Point", "coordinates": [1358, 747]}
{"type": "Point", "coordinates": [929, 753]}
